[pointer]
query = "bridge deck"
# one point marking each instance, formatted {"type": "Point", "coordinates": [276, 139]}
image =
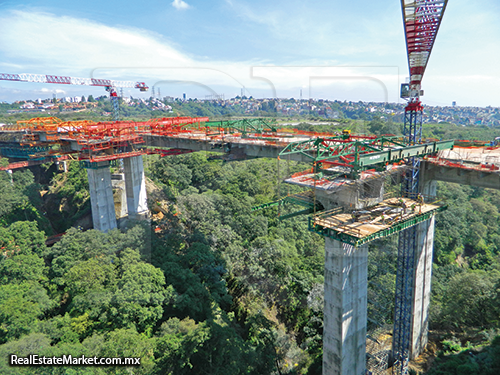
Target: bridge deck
{"type": "Point", "coordinates": [477, 157]}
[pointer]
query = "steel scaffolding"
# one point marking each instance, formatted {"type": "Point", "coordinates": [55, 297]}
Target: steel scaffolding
{"type": "Point", "coordinates": [407, 247]}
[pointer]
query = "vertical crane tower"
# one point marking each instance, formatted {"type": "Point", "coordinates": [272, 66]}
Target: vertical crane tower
{"type": "Point", "coordinates": [108, 84]}
{"type": "Point", "coordinates": [422, 19]}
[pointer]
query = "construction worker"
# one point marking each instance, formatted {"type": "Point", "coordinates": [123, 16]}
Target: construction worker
{"type": "Point", "coordinates": [420, 201]}
{"type": "Point", "coordinates": [420, 198]}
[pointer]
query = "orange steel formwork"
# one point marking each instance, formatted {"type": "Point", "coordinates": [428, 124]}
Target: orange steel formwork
{"type": "Point", "coordinates": [102, 141]}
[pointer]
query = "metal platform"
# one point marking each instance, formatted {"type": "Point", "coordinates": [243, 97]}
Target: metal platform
{"type": "Point", "coordinates": [384, 219]}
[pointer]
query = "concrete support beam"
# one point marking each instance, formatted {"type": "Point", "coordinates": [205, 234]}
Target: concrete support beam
{"type": "Point", "coordinates": [345, 311]}
{"type": "Point", "coordinates": [237, 149]}
{"type": "Point", "coordinates": [101, 197]}
{"type": "Point", "coordinates": [135, 185]}
{"type": "Point", "coordinates": [482, 179]}
{"type": "Point", "coordinates": [346, 285]}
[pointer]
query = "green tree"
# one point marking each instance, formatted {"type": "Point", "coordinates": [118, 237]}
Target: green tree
{"type": "Point", "coordinates": [21, 306]}
{"type": "Point", "coordinates": [22, 237]}
{"type": "Point", "coordinates": [141, 293]}
{"type": "Point", "coordinates": [468, 299]}
{"type": "Point", "coordinates": [122, 343]}
{"type": "Point", "coordinates": [29, 344]}
{"type": "Point", "coordinates": [22, 267]}
{"type": "Point", "coordinates": [11, 196]}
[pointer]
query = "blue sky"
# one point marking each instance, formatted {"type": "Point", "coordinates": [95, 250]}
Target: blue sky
{"type": "Point", "coordinates": [328, 49]}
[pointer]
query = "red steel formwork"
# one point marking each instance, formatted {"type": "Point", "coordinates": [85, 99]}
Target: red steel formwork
{"type": "Point", "coordinates": [30, 163]}
{"type": "Point", "coordinates": [174, 125]}
{"type": "Point", "coordinates": [102, 141]}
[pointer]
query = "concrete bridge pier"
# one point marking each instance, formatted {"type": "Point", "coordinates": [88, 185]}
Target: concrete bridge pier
{"type": "Point", "coordinates": [422, 278]}
{"type": "Point", "coordinates": [101, 197]}
{"type": "Point", "coordinates": [135, 186]}
{"type": "Point", "coordinates": [346, 279]}
{"type": "Point", "coordinates": [345, 310]}
{"type": "Point", "coordinates": [346, 286]}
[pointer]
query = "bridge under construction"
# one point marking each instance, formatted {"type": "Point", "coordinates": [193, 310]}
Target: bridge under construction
{"type": "Point", "coordinates": [344, 196]}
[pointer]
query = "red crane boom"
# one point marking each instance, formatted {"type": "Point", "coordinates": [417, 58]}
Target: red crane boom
{"type": "Point", "coordinates": [422, 19]}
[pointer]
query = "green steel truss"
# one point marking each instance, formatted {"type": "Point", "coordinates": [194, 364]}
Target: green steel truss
{"type": "Point", "coordinates": [24, 152]}
{"type": "Point", "coordinates": [360, 155]}
{"type": "Point", "coordinates": [280, 202]}
{"type": "Point", "coordinates": [304, 199]}
{"type": "Point", "coordinates": [307, 211]}
{"type": "Point", "coordinates": [244, 126]}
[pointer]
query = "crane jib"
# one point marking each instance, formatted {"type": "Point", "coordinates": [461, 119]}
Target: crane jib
{"type": "Point", "coordinates": [65, 80]}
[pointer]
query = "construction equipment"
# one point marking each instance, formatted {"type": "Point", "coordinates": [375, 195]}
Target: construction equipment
{"type": "Point", "coordinates": [109, 85]}
{"type": "Point", "coordinates": [422, 19]}
{"type": "Point", "coordinates": [359, 154]}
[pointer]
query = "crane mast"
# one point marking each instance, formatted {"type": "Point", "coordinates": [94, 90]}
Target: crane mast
{"type": "Point", "coordinates": [422, 19]}
{"type": "Point", "coordinates": [109, 85]}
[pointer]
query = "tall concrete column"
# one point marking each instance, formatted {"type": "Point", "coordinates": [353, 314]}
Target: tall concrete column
{"type": "Point", "coordinates": [346, 286]}
{"type": "Point", "coordinates": [422, 278]}
{"type": "Point", "coordinates": [422, 287]}
{"type": "Point", "coordinates": [101, 197]}
{"type": "Point", "coordinates": [345, 311]}
{"type": "Point", "coordinates": [135, 185]}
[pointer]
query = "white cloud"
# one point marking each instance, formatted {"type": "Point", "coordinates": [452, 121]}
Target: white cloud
{"type": "Point", "coordinates": [180, 5]}
{"type": "Point", "coordinates": [35, 39]}
{"type": "Point", "coordinates": [43, 43]}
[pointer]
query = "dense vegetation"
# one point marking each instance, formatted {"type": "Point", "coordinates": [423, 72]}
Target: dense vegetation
{"type": "Point", "coordinates": [218, 289]}
{"type": "Point", "coordinates": [218, 286]}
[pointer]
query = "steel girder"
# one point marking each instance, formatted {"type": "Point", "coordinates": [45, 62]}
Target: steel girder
{"type": "Point", "coordinates": [62, 80]}
{"type": "Point", "coordinates": [422, 19]}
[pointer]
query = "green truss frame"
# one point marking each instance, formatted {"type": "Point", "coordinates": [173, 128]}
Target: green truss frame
{"type": "Point", "coordinates": [292, 199]}
{"type": "Point", "coordinates": [360, 155]}
{"type": "Point", "coordinates": [25, 152]}
{"type": "Point", "coordinates": [245, 126]}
